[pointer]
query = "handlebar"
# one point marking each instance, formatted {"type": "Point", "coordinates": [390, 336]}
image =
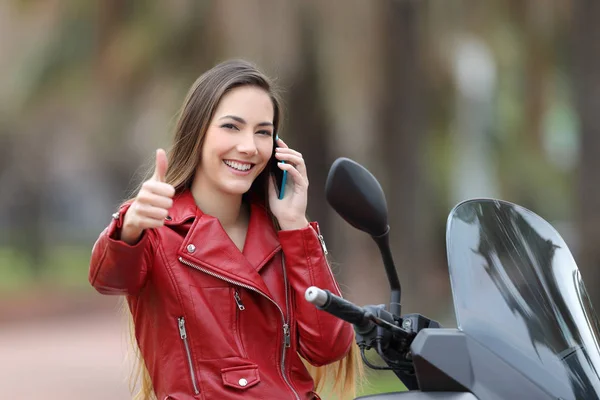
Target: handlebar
{"type": "Point", "coordinates": [341, 308]}
{"type": "Point", "coordinates": [363, 320]}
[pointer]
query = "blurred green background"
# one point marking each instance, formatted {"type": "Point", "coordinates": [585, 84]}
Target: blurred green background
{"type": "Point", "coordinates": [441, 100]}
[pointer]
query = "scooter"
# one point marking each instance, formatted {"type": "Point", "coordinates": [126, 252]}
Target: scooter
{"type": "Point", "coordinates": [526, 328]}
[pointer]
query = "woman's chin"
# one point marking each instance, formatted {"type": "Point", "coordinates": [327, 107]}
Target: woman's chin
{"type": "Point", "coordinates": [237, 188]}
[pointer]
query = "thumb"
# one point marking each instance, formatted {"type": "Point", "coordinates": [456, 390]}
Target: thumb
{"type": "Point", "coordinates": [160, 170]}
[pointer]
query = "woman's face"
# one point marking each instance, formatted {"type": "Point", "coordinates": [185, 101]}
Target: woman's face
{"type": "Point", "coordinates": [238, 142]}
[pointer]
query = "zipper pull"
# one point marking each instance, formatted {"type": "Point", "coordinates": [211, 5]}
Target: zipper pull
{"type": "Point", "coordinates": [323, 244]}
{"type": "Point", "coordinates": [238, 301]}
{"type": "Point", "coordinates": [182, 332]}
{"type": "Point", "coordinates": [286, 335]}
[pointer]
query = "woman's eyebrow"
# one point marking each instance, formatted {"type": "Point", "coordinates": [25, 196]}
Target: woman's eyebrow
{"type": "Point", "coordinates": [242, 121]}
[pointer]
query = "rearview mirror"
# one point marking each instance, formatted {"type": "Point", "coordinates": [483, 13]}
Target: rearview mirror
{"type": "Point", "coordinates": [355, 194]}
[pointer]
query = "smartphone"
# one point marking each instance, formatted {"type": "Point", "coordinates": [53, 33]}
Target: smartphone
{"type": "Point", "coordinates": [279, 174]}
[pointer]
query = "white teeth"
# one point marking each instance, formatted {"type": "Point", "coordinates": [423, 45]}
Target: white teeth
{"type": "Point", "coordinates": [238, 166]}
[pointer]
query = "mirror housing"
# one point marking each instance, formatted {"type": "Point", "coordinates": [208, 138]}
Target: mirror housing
{"type": "Point", "coordinates": [356, 195]}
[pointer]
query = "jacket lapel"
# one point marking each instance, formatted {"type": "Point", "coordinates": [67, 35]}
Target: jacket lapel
{"type": "Point", "coordinates": [261, 239]}
{"type": "Point", "coordinates": [208, 246]}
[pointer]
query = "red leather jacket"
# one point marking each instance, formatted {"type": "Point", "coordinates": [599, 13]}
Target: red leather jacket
{"type": "Point", "coordinates": [216, 323]}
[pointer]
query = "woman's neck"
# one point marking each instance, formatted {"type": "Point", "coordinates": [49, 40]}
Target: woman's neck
{"type": "Point", "coordinates": [226, 208]}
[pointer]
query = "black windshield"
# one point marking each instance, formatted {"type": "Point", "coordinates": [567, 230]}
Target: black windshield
{"type": "Point", "coordinates": [517, 290]}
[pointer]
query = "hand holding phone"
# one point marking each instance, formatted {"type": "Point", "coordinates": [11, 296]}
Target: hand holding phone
{"type": "Point", "coordinates": [288, 208]}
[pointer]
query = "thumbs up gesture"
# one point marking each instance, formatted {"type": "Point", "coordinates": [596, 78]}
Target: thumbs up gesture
{"type": "Point", "coordinates": [151, 205]}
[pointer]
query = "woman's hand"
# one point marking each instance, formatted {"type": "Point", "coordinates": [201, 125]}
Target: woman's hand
{"type": "Point", "coordinates": [291, 210]}
{"type": "Point", "coordinates": [151, 205]}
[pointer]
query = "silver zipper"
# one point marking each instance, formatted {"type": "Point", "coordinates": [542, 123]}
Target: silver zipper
{"type": "Point", "coordinates": [285, 324]}
{"type": "Point", "coordinates": [322, 240]}
{"type": "Point", "coordinates": [183, 335]}
{"type": "Point", "coordinates": [325, 252]}
{"type": "Point", "coordinates": [286, 327]}
{"type": "Point", "coordinates": [286, 335]}
{"type": "Point", "coordinates": [241, 307]}
{"type": "Point", "coordinates": [238, 301]}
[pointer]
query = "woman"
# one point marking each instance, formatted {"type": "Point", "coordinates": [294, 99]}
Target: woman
{"type": "Point", "coordinates": [214, 266]}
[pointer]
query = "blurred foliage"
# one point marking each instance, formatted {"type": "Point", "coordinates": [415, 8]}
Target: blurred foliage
{"type": "Point", "coordinates": [90, 89]}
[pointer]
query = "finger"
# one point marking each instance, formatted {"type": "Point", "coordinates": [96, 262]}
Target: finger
{"type": "Point", "coordinates": [147, 223]}
{"type": "Point", "coordinates": [137, 213]}
{"type": "Point", "coordinates": [160, 169]}
{"type": "Point", "coordinates": [287, 150]}
{"type": "Point", "coordinates": [151, 212]}
{"type": "Point", "coordinates": [295, 160]}
{"type": "Point", "coordinates": [159, 188]}
{"type": "Point", "coordinates": [155, 200]}
{"type": "Point", "coordinates": [295, 157]}
{"type": "Point", "coordinates": [297, 177]}
{"type": "Point", "coordinates": [285, 155]}
{"type": "Point", "coordinates": [281, 143]}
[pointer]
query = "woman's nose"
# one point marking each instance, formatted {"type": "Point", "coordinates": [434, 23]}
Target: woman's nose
{"type": "Point", "coordinates": [247, 145]}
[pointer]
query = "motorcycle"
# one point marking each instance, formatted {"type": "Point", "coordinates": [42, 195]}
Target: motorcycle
{"type": "Point", "coordinates": [526, 328]}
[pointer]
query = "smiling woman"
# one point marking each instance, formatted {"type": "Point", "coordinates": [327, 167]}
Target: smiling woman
{"type": "Point", "coordinates": [213, 265]}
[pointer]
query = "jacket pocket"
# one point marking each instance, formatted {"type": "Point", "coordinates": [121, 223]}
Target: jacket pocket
{"type": "Point", "coordinates": [241, 377]}
{"type": "Point", "coordinates": [239, 309]}
{"type": "Point", "coordinates": [212, 322]}
{"type": "Point", "coordinates": [188, 353]}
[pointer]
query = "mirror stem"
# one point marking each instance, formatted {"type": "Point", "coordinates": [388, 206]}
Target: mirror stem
{"type": "Point", "coordinates": [383, 242]}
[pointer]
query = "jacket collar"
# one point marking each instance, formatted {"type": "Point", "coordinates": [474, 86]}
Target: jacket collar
{"type": "Point", "coordinates": [208, 246]}
{"type": "Point", "coordinates": [184, 208]}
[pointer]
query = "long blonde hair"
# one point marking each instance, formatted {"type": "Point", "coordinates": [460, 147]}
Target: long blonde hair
{"type": "Point", "coordinates": [194, 116]}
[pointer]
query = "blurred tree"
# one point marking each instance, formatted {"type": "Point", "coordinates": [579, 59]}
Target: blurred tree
{"type": "Point", "coordinates": [402, 131]}
{"type": "Point", "coordinates": [351, 80]}
{"type": "Point", "coordinates": [586, 74]}
{"type": "Point", "coordinates": [307, 122]}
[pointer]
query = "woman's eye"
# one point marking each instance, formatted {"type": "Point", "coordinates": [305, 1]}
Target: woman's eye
{"type": "Point", "coordinates": [229, 126]}
{"type": "Point", "coordinates": [268, 133]}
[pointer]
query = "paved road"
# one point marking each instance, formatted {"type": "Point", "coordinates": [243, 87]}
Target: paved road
{"type": "Point", "coordinates": [79, 358]}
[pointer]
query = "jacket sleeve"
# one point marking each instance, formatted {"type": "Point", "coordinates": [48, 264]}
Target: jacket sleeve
{"type": "Point", "coordinates": [323, 338]}
{"type": "Point", "coordinates": [116, 267]}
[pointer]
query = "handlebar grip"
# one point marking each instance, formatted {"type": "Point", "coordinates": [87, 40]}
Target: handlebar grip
{"type": "Point", "coordinates": [341, 308]}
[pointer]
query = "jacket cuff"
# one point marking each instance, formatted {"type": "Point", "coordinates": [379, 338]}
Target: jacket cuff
{"type": "Point", "coordinates": [112, 259]}
{"type": "Point", "coordinates": [306, 258]}
{"type": "Point", "coordinates": [114, 231]}
{"type": "Point", "coordinates": [290, 239]}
